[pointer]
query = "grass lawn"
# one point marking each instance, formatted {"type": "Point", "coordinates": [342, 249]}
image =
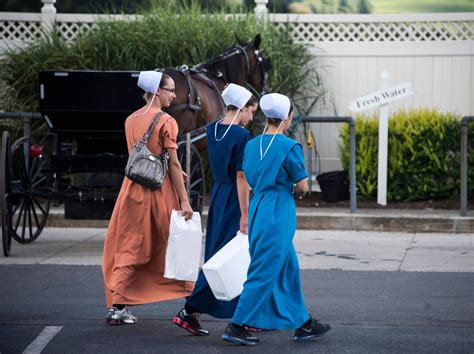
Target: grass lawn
{"type": "Point", "coordinates": [417, 6]}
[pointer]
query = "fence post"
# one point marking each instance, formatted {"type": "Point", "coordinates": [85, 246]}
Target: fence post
{"type": "Point", "coordinates": [48, 15]}
{"type": "Point", "coordinates": [463, 159]}
{"type": "Point", "coordinates": [352, 152]}
{"type": "Point", "coordinates": [261, 7]}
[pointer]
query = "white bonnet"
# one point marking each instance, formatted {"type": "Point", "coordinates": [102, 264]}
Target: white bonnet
{"type": "Point", "coordinates": [149, 81]}
{"type": "Point", "coordinates": [236, 95]}
{"type": "Point", "coordinates": [275, 105]}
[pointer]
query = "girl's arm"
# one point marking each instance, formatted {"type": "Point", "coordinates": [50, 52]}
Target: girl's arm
{"type": "Point", "coordinates": [176, 176]}
{"type": "Point", "coordinates": [243, 191]}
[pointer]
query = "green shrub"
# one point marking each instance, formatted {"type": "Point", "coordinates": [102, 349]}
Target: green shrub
{"type": "Point", "coordinates": [423, 155]}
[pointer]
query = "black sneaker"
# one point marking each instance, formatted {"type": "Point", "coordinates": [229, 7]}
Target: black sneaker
{"type": "Point", "coordinates": [190, 323]}
{"type": "Point", "coordinates": [311, 329]}
{"type": "Point", "coordinates": [239, 335]}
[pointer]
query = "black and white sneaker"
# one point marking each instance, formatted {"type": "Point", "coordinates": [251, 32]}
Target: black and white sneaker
{"type": "Point", "coordinates": [311, 329]}
{"type": "Point", "coordinates": [190, 322]}
{"type": "Point", "coordinates": [239, 335]}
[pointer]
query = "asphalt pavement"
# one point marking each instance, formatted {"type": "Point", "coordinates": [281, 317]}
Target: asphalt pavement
{"type": "Point", "coordinates": [382, 292]}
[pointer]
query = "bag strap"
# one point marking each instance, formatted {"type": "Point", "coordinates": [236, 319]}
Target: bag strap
{"type": "Point", "coordinates": [147, 134]}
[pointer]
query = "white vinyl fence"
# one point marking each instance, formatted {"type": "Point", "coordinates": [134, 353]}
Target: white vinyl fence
{"type": "Point", "coordinates": [435, 52]}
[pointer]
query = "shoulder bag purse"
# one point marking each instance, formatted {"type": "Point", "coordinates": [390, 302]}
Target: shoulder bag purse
{"type": "Point", "coordinates": [144, 167]}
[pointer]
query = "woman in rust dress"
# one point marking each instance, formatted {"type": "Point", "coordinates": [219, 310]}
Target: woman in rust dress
{"type": "Point", "coordinates": [135, 245]}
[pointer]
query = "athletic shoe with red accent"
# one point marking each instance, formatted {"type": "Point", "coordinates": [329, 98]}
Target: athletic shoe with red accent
{"type": "Point", "coordinates": [253, 329]}
{"type": "Point", "coordinates": [110, 313]}
{"type": "Point", "coordinates": [239, 335]}
{"type": "Point", "coordinates": [190, 323]}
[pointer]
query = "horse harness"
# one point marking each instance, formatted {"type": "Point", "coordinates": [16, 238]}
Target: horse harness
{"type": "Point", "coordinates": [193, 100]}
{"type": "Point", "coordinates": [199, 72]}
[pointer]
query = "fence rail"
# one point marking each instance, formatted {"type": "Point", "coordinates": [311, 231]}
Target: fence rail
{"type": "Point", "coordinates": [28, 116]}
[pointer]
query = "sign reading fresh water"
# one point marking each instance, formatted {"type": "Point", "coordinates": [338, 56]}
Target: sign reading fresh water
{"type": "Point", "coordinates": [381, 99]}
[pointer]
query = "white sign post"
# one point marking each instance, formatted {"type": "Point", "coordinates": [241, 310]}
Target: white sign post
{"type": "Point", "coordinates": [383, 146]}
{"type": "Point", "coordinates": [381, 99]}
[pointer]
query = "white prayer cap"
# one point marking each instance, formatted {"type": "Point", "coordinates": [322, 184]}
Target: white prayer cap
{"type": "Point", "coordinates": [236, 95]}
{"type": "Point", "coordinates": [149, 81]}
{"type": "Point", "coordinates": [275, 105]}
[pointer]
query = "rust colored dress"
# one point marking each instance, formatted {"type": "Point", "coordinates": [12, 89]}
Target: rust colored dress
{"type": "Point", "coordinates": [135, 245]}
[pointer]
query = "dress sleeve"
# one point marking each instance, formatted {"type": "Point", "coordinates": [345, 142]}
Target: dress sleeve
{"type": "Point", "coordinates": [294, 164]}
{"type": "Point", "coordinates": [169, 132]}
{"type": "Point", "coordinates": [240, 149]}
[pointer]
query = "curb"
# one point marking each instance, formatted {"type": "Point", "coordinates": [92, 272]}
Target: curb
{"type": "Point", "coordinates": [385, 223]}
{"type": "Point", "coordinates": [441, 221]}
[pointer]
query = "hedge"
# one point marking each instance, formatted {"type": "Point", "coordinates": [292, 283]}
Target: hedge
{"type": "Point", "coordinates": [423, 155]}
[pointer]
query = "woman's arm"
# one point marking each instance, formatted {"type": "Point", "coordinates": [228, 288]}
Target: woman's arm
{"type": "Point", "coordinates": [176, 176]}
{"type": "Point", "coordinates": [243, 191]}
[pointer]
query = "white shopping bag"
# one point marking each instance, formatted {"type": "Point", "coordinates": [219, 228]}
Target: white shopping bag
{"type": "Point", "coordinates": [184, 247]}
{"type": "Point", "coordinates": [226, 271]}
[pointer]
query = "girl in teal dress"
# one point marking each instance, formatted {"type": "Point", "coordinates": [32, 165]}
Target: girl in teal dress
{"type": "Point", "coordinates": [272, 297]}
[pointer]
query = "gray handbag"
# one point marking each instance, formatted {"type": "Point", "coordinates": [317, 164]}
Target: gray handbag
{"type": "Point", "coordinates": [144, 167]}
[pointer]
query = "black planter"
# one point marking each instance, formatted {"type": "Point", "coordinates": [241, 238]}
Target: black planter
{"type": "Point", "coordinates": [334, 186]}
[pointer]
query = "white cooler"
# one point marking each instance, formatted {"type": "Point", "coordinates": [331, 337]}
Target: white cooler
{"type": "Point", "coordinates": [226, 271]}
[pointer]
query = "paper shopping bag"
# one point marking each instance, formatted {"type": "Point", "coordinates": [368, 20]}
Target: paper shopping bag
{"type": "Point", "coordinates": [184, 247]}
{"type": "Point", "coordinates": [226, 271]}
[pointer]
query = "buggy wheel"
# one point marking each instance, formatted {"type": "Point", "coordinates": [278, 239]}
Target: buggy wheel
{"type": "Point", "coordinates": [5, 202]}
{"type": "Point", "coordinates": [196, 175]}
{"type": "Point", "coordinates": [30, 195]}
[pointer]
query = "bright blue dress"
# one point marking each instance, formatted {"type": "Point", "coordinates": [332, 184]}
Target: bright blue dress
{"type": "Point", "coordinates": [223, 220]}
{"type": "Point", "coordinates": [272, 297]}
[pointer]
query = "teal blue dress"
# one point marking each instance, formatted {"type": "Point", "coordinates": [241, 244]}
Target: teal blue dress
{"type": "Point", "coordinates": [223, 219]}
{"type": "Point", "coordinates": [272, 297]}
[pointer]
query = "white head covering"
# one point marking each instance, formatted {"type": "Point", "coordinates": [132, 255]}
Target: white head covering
{"type": "Point", "coordinates": [275, 105]}
{"type": "Point", "coordinates": [236, 95]}
{"type": "Point", "coordinates": [149, 81]}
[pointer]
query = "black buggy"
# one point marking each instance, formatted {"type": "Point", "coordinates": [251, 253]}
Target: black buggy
{"type": "Point", "coordinates": [80, 160]}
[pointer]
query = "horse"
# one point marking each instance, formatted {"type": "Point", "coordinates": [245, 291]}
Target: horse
{"type": "Point", "coordinates": [198, 89]}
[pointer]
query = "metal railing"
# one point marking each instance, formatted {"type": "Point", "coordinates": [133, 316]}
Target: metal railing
{"type": "Point", "coordinates": [200, 134]}
{"type": "Point", "coordinates": [464, 150]}
{"type": "Point", "coordinates": [27, 117]}
{"type": "Point", "coordinates": [352, 152]}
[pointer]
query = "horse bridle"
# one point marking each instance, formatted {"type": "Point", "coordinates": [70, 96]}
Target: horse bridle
{"type": "Point", "coordinates": [237, 50]}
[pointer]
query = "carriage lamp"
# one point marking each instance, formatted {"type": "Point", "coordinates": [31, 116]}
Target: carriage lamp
{"type": "Point", "coordinates": [35, 150]}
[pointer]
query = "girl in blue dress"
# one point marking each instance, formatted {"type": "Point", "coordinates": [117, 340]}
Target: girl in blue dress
{"type": "Point", "coordinates": [228, 209]}
{"type": "Point", "coordinates": [272, 297]}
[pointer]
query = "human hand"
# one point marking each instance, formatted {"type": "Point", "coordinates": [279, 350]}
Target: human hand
{"type": "Point", "coordinates": [186, 210]}
{"type": "Point", "coordinates": [185, 177]}
{"type": "Point", "coordinates": [298, 192]}
{"type": "Point", "coordinates": [244, 224]}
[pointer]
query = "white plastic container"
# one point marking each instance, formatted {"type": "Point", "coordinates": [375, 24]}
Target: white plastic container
{"type": "Point", "coordinates": [226, 271]}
